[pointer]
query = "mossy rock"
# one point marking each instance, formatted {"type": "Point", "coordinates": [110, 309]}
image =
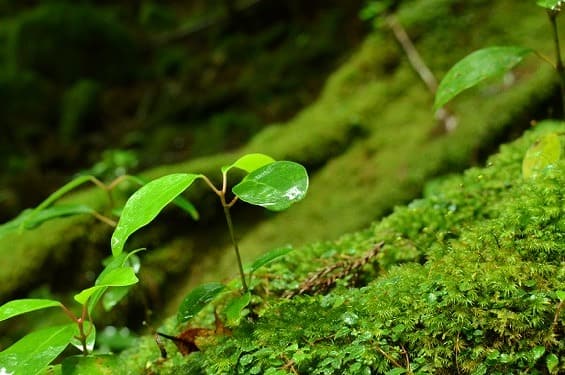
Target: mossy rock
{"type": "Point", "coordinates": [65, 42]}
{"type": "Point", "coordinates": [470, 280]}
{"type": "Point", "coordinates": [370, 142]}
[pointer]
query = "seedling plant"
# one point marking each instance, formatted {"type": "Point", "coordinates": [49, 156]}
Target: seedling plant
{"type": "Point", "coordinates": [274, 185]}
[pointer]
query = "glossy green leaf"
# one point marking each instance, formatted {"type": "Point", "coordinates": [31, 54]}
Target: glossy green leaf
{"type": "Point", "coordinates": [179, 201]}
{"type": "Point", "coordinates": [197, 299]}
{"type": "Point", "coordinates": [275, 186]}
{"type": "Point", "coordinates": [34, 352]}
{"type": "Point", "coordinates": [101, 364]}
{"type": "Point", "coordinates": [113, 296]}
{"type": "Point", "coordinates": [551, 361]}
{"type": "Point", "coordinates": [89, 330]}
{"type": "Point", "coordinates": [561, 295]}
{"type": "Point", "coordinates": [116, 277]}
{"type": "Point", "coordinates": [235, 307]}
{"type": "Point", "coordinates": [22, 306]}
{"type": "Point", "coordinates": [62, 191]}
{"type": "Point", "coordinates": [122, 260]}
{"type": "Point", "coordinates": [30, 218]}
{"type": "Point", "coordinates": [249, 162]}
{"type": "Point", "coordinates": [185, 205]}
{"type": "Point", "coordinates": [544, 153]}
{"type": "Point", "coordinates": [55, 212]}
{"type": "Point", "coordinates": [475, 68]}
{"type": "Point", "coordinates": [550, 4]}
{"type": "Point", "coordinates": [146, 203]}
{"type": "Point", "coordinates": [268, 257]}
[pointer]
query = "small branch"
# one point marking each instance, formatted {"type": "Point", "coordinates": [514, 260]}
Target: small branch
{"type": "Point", "coordinates": [104, 219]}
{"type": "Point", "coordinates": [387, 356]}
{"type": "Point", "coordinates": [69, 313]}
{"type": "Point", "coordinates": [417, 62]}
{"type": "Point", "coordinates": [211, 185]}
{"type": "Point", "coordinates": [326, 277]}
{"type": "Point", "coordinates": [412, 53]}
{"type": "Point", "coordinates": [559, 68]}
{"type": "Point", "coordinates": [556, 317]}
{"type": "Point", "coordinates": [234, 242]}
{"type": "Point", "coordinates": [407, 359]}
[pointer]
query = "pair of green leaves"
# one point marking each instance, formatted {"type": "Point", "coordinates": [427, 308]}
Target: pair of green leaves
{"type": "Point", "coordinates": [34, 352]}
{"type": "Point", "coordinates": [274, 185]}
{"type": "Point", "coordinates": [47, 210]}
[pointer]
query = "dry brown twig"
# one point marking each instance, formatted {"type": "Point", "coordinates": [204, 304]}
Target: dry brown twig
{"type": "Point", "coordinates": [326, 277]}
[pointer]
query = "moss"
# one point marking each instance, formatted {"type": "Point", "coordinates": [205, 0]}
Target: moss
{"type": "Point", "coordinates": [465, 283]}
{"type": "Point", "coordinates": [369, 141]}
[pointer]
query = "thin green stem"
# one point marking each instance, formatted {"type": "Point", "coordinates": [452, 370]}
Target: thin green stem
{"type": "Point", "coordinates": [83, 336]}
{"type": "Point", "coordinates": [234, 242]}
{"type": "Point", "coordinates": [559, 68]}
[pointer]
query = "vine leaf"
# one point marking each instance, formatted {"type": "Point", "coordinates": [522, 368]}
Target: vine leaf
{"type": "Point", "coordinates": [34, 352]}
{"type": "Point", "coordinates": [197, 299]}
{"type": "Point", "coordinates": [235, 306]}
{"type": "Point", "coordinates": [22, 306]}
{"type": "Point", "coordinates": [545, 152]}
{"type": "Point", "coordinates": [249, 162]}
{"type": "Point", "coordinates": [475, 68]}
{"type": "Point", "coordinates": [275, 186]}
{"type": "Point", "coordinates": [146, 203]}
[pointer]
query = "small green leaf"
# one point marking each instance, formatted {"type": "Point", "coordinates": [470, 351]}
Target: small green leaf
{"type": "Point", "coordinates": [146, 203]}
{"type": "Point", "coordinates": [545, 152]}
{"type": "Point", "coordinates": [268, 257]}
{"type": "Point", "coordinates": [561, 295]}
{"type": "Point", "coordinates": [476, 67]}
{"type": "Point", "coordinates": [55, 212]}
{"type": "Point", "coordinates": [116, 277]}
{"type": "Point", "coordinates": [550, 4]}
{"type": "Point", "coordinates": [113, 296]}
{"type": "Point", "coordinates": [235, 306]}
{"type": "Point", "coordinates": [551, 361]}
{"type": "Point", "coordinates": [187, 207]}
{"type": "Point", "coordinates": [34, 352]}
{"type": "Point", "coordinates": [249, 162]}
{"type": "Point", "coordinates": [62, 191]}
{"type": "Point", "coordinates": [30, 218]}
{"type": "Point", "coordinates": [122, 260]}
{"type": "Point", "coordinates": [179, 201]}
{"type": "Point", "coordinates": [22, 306]}
{"type": "Point", "coordinates": [197, 299]}
{"type": "Point", "coordinates": [275, 186]}
{"type": "Point", "coordinates": [538, 352]}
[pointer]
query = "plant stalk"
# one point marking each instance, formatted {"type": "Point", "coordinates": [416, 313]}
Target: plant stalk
{"type": "Point", "coordinates": [552, 14]}
{"type": "Point", "coordinates": [234, 242]}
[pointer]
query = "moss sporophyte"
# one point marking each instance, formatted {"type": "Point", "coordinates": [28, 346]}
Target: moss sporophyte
{"type": "Point", "coordinates": [275, 185]}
